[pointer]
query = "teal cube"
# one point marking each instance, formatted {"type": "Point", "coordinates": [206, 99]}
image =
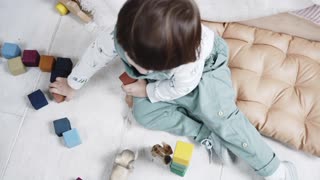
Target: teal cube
{"type": "Point", "coordinates": [71, 138]}
{"type": "Point", "coordinates": [177, 172]}
{"type": "Point", "coordinates": [178, 167]}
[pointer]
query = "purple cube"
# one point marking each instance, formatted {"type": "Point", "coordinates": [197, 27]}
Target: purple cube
{"type": "Point", "coordinates": [31, 58]}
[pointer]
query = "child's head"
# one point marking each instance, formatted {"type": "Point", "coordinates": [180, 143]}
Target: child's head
{"type": "Point", "coordinates": [159, 34]}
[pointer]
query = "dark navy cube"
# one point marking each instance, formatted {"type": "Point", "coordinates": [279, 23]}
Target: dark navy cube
{"type": "Point", "coordinates": [10, 50]}
{"type": "Point", "coordinates": [31, 58]}
{"type": "Point", "coordinates": [62, 68]}
{"type": "Point", "coordinates": [71, 138]}
{"type": "Point", "coordinates": [61, 126]}
{"type": "Point", "coordinates": [55, 74]}
{"type": "Point", "coordinates": [37, 99]}
{"type": "Point", "coordinates": [63, 64]}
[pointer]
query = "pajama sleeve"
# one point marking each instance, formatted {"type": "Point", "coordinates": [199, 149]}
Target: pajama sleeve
{"type": "Point", "coordinates": [184, 80]}
{"type": "Point", "coordinates": [98, 54]}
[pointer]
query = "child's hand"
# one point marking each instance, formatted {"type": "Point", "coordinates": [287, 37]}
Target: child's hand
{"type": "Point", "coordinates": [60, 86]}
{"type": "Point", "coordinates": [129, 101]}
{"type": "Point", "coordinates": [136, 89]}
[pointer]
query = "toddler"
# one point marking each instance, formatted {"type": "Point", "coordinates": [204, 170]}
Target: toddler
{"type": "Point", "coordinates": [184, 84]}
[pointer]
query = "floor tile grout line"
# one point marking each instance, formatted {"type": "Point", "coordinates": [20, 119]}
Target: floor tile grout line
{"type": "Point", "coordinates": [26, 108]}
{"type": "Point", "coordinates": [12, 114]}
{"type": "Point", "coordinates": [54, 35]}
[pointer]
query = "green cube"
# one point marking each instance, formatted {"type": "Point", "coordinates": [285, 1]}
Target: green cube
{"type": "Point", "coordinates": [178, 167]}
{"type": "Point", "coordinates": [16, 66]}
{"type": "Point", "coordinates": [178, 172]}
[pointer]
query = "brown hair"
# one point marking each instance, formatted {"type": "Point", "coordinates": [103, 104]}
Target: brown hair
{"type": "Point", "coordinates": [159, 34]}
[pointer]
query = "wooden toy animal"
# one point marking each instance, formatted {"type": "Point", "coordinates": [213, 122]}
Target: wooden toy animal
{"type": "Point", "coordinates": [123, 164]}
{"type": "Point", "coordinates": [74, 7]}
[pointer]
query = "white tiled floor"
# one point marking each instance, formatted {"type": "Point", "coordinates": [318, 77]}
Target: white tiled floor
{"type": "Point", "coordinates": [30, 150]}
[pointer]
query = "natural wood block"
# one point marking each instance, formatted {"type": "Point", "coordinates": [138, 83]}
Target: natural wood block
{"type": "Point", "coordinates": [16, 66]}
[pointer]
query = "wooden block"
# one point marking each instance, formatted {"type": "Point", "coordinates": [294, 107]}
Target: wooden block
{"type": "Point", "coordinates": [58, 98]}
{"type": "Point", "coordinates": [63, 64]}
{"type": "Point", "coordinates": [62, 68]}
{"type": "Point", "coordinates": [37, 99]}
{"type": "Point", "coordinates": [46, 63]}
{"type": "Point", "coordinates": [16, 66]}
{"type": "Point", "coordinates": [74, 7]}
{"type": "Point", "coordinates": [10, 50]}
{"type": "Point", "coordinates": [183, 153]}
{"type": "Point", "coordinates": [177, 172]}
{"type": "Point", "coordinates": [178, 167]}
{"type": "Point", "coordinates": [71, 138]}
{"type": "Point", "coordinates": [126, 79]}
{"type": "Point", "coordinates": [61, 126]}
{"type": "Point", "coordinates": [31, 58]}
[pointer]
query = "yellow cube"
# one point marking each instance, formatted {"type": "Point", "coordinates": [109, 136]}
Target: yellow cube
{"type": "Point", "coordinates": [183, 153]}
{"type": "Point", "coordinates": [62, 9]}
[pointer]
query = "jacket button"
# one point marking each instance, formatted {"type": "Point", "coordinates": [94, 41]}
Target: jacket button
{"type": "Point", "coordinates": [220, 113]}
{"type": "Point", "coordinates": [244, 145]}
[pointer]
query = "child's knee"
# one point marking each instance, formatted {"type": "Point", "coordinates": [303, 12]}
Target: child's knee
{"type": "Point", "coordinates": [139, 115]}
{"type": "Point", "coordinates": [140, 111]}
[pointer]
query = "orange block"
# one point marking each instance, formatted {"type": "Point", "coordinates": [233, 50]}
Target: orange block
{"type": "Point", "coordinates": [126, 79]}
{"type": "Point", "coordinates": [46, 63]}
{"type": "Point", "coordinates": [58, 98]}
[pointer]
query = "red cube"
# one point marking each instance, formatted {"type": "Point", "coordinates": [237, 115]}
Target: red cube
{"type": "Point", "coordinates": [31, 58]}
{"type": "Point", "coordinates": [126, 79]}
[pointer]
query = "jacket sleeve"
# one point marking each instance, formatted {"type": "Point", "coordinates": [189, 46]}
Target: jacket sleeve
{"type": "Point", "coordinates": [97, 55]}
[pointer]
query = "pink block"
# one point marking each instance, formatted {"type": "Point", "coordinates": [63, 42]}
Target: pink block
{"type": "Point", "coordinates": [31, 58]}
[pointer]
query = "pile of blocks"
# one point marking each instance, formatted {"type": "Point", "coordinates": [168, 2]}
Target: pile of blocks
{"type": "Point", "coordinates": [181, 158]}
{"type": "Point", "coordinates": [30, 58]}
{"type": "Point", "coordinates": [62, 128]}
{"type": "Point", "coordinates": [17, 64]}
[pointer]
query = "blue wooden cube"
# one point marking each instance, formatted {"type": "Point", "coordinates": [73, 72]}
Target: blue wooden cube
{"type": "Point", "coordinates": [10, 50]}
{"type": "Point", "coordinates": [61, 126]}
{"type": "Point", "coordinates": [71, 138]}
{"type": "Point", "coordinates": [37, 99]}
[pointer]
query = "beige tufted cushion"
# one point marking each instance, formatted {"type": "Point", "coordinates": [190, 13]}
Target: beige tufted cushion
{"type": "Point", "coordinates": [277, 81]}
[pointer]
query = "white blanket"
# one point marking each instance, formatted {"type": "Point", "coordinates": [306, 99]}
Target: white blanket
{"type": "Point", "coordinates": [212, 10]}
